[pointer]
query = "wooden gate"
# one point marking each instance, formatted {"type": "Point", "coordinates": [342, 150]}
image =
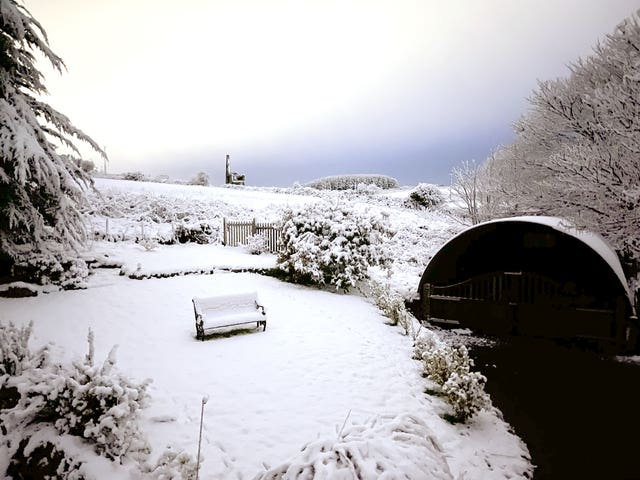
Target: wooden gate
{"type": "Point", "coordinates": [238, 233]}
{"type": "Point", "coordinates": [525, 303]}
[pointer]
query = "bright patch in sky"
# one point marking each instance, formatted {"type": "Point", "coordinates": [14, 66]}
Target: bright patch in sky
{"type": "Point", "coordinates": [298, 89]}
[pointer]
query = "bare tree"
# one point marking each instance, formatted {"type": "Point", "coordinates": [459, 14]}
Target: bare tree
{"type": "Point", "coordinates": [466, 184]}
{"type": "Point", "coordinates": [576, 151]}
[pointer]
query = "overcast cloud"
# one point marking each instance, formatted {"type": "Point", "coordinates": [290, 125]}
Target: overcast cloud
{"type": "Point", "coordinates": [296, 90]}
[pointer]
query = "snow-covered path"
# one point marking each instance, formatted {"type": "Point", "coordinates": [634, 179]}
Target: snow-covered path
{"type": "Point", "coordinates": [322, 355]}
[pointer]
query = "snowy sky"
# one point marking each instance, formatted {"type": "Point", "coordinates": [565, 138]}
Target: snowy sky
{"type": "Point", "coordinates": [296, 90]}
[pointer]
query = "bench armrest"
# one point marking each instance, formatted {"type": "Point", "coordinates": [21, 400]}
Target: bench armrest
{"type": "Point", "coordinates": [260, 307]}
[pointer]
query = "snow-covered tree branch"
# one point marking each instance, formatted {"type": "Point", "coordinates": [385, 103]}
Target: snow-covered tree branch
{"type": "Point", "coordinates": [576, 150]}
{"type": "Point", "coordinates": [41, 190]}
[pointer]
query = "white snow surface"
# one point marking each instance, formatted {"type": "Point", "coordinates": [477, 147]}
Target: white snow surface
{"type": "Point", "coordinates": [322, 355]}
{"type": "Point", "coordinates": [277, 395]}
{"type": "Point", "coordinates": [247, 197]}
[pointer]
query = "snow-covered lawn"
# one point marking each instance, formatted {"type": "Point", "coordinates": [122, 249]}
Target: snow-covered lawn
{"type": "Point", "coordinates": [322, 356]}
{"type": "Point", "coordinates": [325, 357]}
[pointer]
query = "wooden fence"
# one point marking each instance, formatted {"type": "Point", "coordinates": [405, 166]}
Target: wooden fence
{"type": "Point", "coordinates": [238, 233]}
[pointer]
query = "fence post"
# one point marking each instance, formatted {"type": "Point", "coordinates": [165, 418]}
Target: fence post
{"type": "Point", "coordinates": [253, 227]}
{"type": "Point", "coordinates": [426, 301]}
{"type": "Point", "coordinates": [224, 231]}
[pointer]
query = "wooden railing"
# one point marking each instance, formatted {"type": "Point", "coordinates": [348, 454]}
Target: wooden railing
{"type": "Point", "coordinates": [515, 287]}
{"type": "Point", "coordinates": [529, 303]}
{"type": "Point", "coordinates": [238, 233]}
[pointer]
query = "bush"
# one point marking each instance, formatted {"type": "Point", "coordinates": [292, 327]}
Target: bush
{"type": "Point", "coordinates": [135, 176]}
{"type": "Point", "coordinates": [450, 369]}
{"type": "Point", "coordinates": [392, 305]}
{"type": "Point", "coordinates": [15, 355]}
{"type": "Point", "coordinates": [87, 166]}
{"type": "Point", "coordinates": [401, 447]}
{"type": "Point", "coordinates": [329, 245]}
{"type": "Point", "coordinates": [43, 460]}
{"type": "Point", "coordinates": [201, 178]}
{"type": "Point", "coordinates": [91, 402]}
{"type": "Point", "coordinates": [464, 391]}
{"type": "Point", "coordinates": [368, 188]}
{"type": "Point", "coordinates": [351, 182]}
{"type": "Point", "coordinates": [51, 269]}
{"type": "Point", "coordinates": [424, 196]}
{"type": "Point", "coordinates": [171, 466]}
{"type": "Point", "coordinates": [201, 233]}
{"type": "Point", "coordinates": [101, 406]}
{"type": "Point", "coordinates": [43, 403]}
{"type": "Point", "coordinates": [257, 244]}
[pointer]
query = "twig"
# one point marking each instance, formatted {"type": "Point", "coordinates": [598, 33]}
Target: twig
{"type": "Point", "coordinates": [343, 425]}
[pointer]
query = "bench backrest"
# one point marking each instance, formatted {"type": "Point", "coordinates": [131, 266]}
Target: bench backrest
{"type": "Point", "coordinates": [226, 302]}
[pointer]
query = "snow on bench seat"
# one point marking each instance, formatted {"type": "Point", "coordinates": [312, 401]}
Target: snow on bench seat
{"type": "Point", "coordinates": [227, 311]}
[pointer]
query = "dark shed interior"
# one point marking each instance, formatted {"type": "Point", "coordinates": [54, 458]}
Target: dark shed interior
{"type": "Point", "coordinates": [528, 275]}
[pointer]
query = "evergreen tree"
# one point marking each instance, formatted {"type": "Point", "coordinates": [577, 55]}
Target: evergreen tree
{"type": "Point", "coordinates": [41, 190]}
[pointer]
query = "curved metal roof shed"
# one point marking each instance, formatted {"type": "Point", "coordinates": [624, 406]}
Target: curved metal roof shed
{"type": "Point", "coordinates": [531, 276]}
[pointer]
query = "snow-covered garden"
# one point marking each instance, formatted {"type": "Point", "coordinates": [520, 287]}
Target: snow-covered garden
{"type": "Point", "coordinates": [101, 373]}
{"type": "Point", "coordinates": [329, 387]}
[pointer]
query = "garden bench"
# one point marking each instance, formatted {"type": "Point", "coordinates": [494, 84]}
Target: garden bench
{"type": "Point", "coordinates": [228, 311]}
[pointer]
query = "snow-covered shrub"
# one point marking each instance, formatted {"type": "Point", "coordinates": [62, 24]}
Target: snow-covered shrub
{"type": "Point", "coordinates": [196, 233]}
{"type": "Point", "coordinates": [350, 182]}
{"type": "Point", "coordinates": [327, 244]}
{"type": "Point", "coordinates": [87, 166]}
{"type": "Point", "coordinates": [102, 406]}
{"type": "Point", "coordinates": [92, 402]}
{"type": "Point", "coordinates": [149, 244]}
{"type": "Point", "coordinates": [257, 244]}
{"type": "Point", "coordinates": [426, 342]}
{"type": "Point", "coordinates": [52, 269]}
{"type": "Point", "coordinates": [450, 369]}
{"type": "Point", "coordinates": [134, 176]}
{"type": "Point", "coordinates": [36, 459]}
{"type": "Point", "coordinates": [14, 348]}
{"type": "Point", "coordinates": [381, 448]}
{"type": "Point", "coordinates": [441, 361]}
{"type": "Point", "coordinates": [368, 188]}
{"type": "Point", "coordinates": [392, 305]}
{"type": "Point", "coordinates": [464, 391]}
{"type": "Point", "coordinates": [201, 178]}
{"type": "Point", "coordinates": [424, 196]}
{"type": "Point", "coordinates": [16, 357]}
{"type": "Point", "coordinates": [171, 465]}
